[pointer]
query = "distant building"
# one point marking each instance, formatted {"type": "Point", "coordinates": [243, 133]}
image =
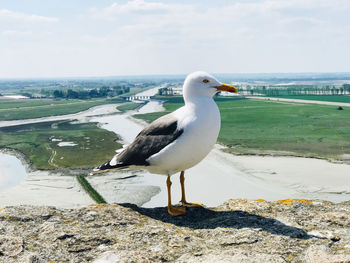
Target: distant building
{"type": "Point", "coordinates": [177, 90]}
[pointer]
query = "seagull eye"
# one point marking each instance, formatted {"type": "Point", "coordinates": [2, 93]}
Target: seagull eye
{"type": "Point", "coordinates": [205, 80]}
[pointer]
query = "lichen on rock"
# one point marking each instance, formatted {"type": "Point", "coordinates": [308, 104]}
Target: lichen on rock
{"type": "Point", "coordinates": [237, 231]}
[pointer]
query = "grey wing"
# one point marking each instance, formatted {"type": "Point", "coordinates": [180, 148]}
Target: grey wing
{"type": "Point", "coordinates": [149, 141]}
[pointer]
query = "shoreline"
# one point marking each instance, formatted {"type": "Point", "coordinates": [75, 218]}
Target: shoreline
{"type": "Point", "coordinates": [271, 153]}
{"type": "Point", "coordinates": [30, 167]}
{"type": "Point", "coordinates": [106, 109]}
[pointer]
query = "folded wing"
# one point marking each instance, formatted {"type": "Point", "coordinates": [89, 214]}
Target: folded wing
{"type": "Point", "coordinates": [149, 141]}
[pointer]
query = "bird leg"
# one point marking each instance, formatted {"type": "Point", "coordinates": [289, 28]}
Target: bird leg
{"type": "Point", "coordinates": [183, 197]}
{"type": "Point", "coordinates": [173, 210]}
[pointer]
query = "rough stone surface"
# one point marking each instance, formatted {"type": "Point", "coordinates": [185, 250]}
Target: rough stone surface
{"type": "Point", "coordinates": [237, 231]}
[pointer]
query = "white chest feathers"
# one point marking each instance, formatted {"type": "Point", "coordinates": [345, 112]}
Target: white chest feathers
{"type": "Point", "coordinates": [200, 122]}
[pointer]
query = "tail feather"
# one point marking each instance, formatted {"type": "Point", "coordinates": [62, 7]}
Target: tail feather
{"type": "Point", "coordinates": [105, 167]}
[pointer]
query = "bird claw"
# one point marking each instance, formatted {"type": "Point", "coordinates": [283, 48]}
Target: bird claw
{"type": "Point", "coordinates": [176, 211]}
{"type": "Point", "coordinates": [186, 204]}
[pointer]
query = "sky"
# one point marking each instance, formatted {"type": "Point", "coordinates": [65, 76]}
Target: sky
{"type": "Point", "coordinates": [79, 38]}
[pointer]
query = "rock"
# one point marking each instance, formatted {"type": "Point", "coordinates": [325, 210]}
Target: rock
{"type": "Point", "coordinates": [322, 254]}
{"type": "Point", "coordinates": [34, 258]}
{"type": "Point", "coordinates": [237, 231]}
{"type": "Point", "coordinates": [236, 256]}
{"type": "Point", "coordinates": [10, 246]}
{"type": "Point", "coordinates": [108, 257]}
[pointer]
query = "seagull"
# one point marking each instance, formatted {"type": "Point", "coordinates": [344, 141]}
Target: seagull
{"type": "Point", "coordinates": [179, 140]}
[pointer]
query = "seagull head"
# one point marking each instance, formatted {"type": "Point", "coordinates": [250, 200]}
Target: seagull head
{"type": "Point", "coordinates": [199, 84]}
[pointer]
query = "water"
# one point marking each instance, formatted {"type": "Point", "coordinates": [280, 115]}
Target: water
{"type": "Point", "coordinates": [12, 172]}
{"type": "Point", "coordinates": [83, 115]}
{"type": "Point", "coordinates": [151, 106]}
{"type": "Point", "coordinates": [123, 125]}
{"type": "Point", "coordinates": [16, 97]}
{"type": "Point", "coordinates": [150, 92]}
{"type": "Point", "coordinates": [65, 144]}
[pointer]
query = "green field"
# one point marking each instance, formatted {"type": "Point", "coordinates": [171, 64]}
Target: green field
{"type": "Point", "coordinates": [28, 103]}
{"type": "Point", "coordinates": [39, 142]}
{"type": "Point", "coordinates": [129, 106]}
{"type": "Point", "coordinates": [259, 127]}
{"type": "Point", "coordinates": [332, 98]}
{"type": "Point", "coordinates": [27, 109]}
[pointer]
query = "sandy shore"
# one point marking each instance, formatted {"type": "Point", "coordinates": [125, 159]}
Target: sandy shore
{"type": "Point", "coordinates": [300, 177]}
{"type": "Point", "coordinates": [124, 187]}
{"type": "Point", "coordinates": [221, 176]}
{"type": "Point", "coordinates": [46, 188]}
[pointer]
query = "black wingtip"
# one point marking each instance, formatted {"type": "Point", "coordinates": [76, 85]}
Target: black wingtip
{"type": "Point", "coordinates": [105, 167]}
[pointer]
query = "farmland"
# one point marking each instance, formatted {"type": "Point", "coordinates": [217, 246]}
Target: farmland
{"type": "Point", "coordinates": [332, 98]}
{"type": "Point", "coordinates": [40, 144]}
{"type": "Point", "coordinates": [28, 109]}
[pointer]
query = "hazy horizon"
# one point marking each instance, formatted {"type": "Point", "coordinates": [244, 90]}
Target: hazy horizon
{"type": "Point", "coordinates": [240, 76]}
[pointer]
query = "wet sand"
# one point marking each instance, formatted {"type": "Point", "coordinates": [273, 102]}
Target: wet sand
{"type": "Point", "coordinates": [124, 187]}
{"type": "Point", "coordinates": [46, 188]}
{"type": "Point", "coordinates": [221, 176]}
{"type": "Point", "coordinates": [303, 177]}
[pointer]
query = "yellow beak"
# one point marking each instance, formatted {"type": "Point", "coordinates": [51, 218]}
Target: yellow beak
{"type": "Point", "coordinates": [226, 87]}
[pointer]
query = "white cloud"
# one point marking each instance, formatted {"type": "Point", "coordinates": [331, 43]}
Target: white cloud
{"type": "Point", "coordinates": [29, 27]}
{"type": "Point", "coordinates": [304, 21]}
{"type": "Point", "coordinates": [138, 7]}
{"type": "Point", "coordinates": [94, 39]}
{"type": "Point", "coordinates": [192, 22]}
{"type": "Point", "coordinates": [16, 33]}
{"type": "Point", "coordinates": [280, 5]}
{"type": "Point", "coordinates": [18, 16]}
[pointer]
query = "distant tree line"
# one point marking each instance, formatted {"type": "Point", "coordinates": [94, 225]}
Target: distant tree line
{"type": "Point", "coordinates": [165, 92]}
{"type": "Point", "coordinates": [104, 91]}
{"type": "Point", "coordinates": [292, 90]}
